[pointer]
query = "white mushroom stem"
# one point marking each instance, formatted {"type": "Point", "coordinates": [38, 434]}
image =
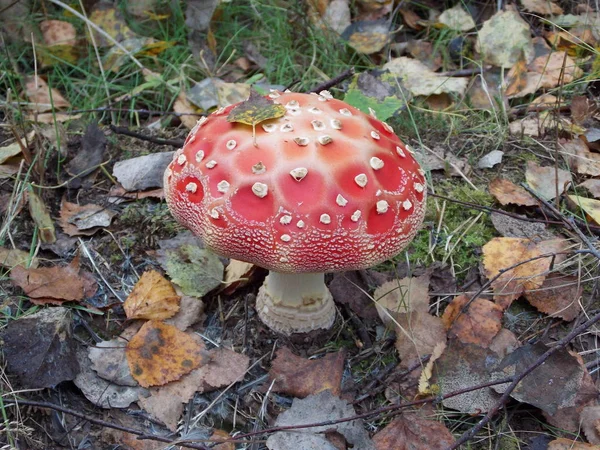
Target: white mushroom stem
{"type": "Point", "coordinates": [295, 303]}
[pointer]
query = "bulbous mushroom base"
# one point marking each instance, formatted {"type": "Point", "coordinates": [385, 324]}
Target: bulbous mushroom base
{"type": "Point", "coordinates": [295, 303]}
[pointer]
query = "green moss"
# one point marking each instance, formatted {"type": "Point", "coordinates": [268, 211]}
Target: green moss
{"type": "Point", "coordinates": [454, 243]}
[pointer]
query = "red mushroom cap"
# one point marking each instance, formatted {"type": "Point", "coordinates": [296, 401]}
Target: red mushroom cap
{"type": "Point", "coordinates": [325, 188]}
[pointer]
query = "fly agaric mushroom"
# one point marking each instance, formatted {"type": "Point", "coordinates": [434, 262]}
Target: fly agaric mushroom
{"type": "Point", "coordinates": [323, 188]}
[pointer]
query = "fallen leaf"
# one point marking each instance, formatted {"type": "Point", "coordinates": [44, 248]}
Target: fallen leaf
{"type": "Point", "coordinates": [86, 220]}
{"type": "Point", "coordinates": [55, 284]}
{"type": "Point", "coordinates": [152, 298]}
{"type": "Point", "coordinates": [590, 423]}
{"type": "Point", "coordinates": [376, 91]}
{"type": "Point", "coordinates": [237, 275]}
{"type": "Point", "coordinates": [195, 270]}
{"type": "Point", "coordinates": [582, 109]}
{"type": "Point", "coordinates": [509, 226]}
{"type": "Point", "coordinates": [456, 18]}
{"type": "Point", "coordinates": [41, 217]}
{"type": "Point", "coordinates": [11, 257]}
{"type": "Point", "coordinates": [89, 157]}
{"type": "Point", "coordinates": [501, 253]}
{"type": "Point", "coordinates": [190, 312]}
{"type": "Point", "coordinates": [419, 80]}
{"type": "Point", "coordinates": [397, 297]}
{"type": "Point", "coordinates": [188, 112]}
{"type": "Point", "coordinates": [567, 444]}
{"type": "Point", "coordinates": [462, 366]}
{"type": "Point", "coordinates": [504, 342]}
{"type": "Point", "coordinates": [592, 185]}
{"type": "Point", "coordinates": [590, 206]}
{"type": "Point", "coordinates": [301, 377]}
{"type": "Point", "coordinates": [110, 20]}
{"type": "Point", "coordinates": [110, 362]}
{"type": "Point", "coordinates": [530, 126]}
{"type": "Point", "coordinates": [255, 110]}
{"type": "Point", "coordinates": [579, 157]}
{"type": "Point", "coordinates": [411, 432]}
{"type": "Point", "coordinates": [39, 349]}
{"type": "Point", "coordinates": [559, 296]}
{"type": "Point", "coordinates": [160, 353]}
{"type": "Point", "coordinates": [505, 38]}
{"type": "Point", "coordinates": [478, 324]}
{"type": "Point", "coordinates": [320, 407]}
{"type": "Point", "coordinates": [417, 334]}
{"type": "Point", "coordinates": [60, 40]}
{"type": "Point", "coordinates": [351, 289]}
{"type": "Point", "coordinates": [43, 98]}
{"type": "Point", "coordinates": [102, 392]}
{"type": "Point", "coordinates": [337, 16]}
{"type": "Point", "coordinates": [9, 151]}
{"type": "Point", "coordinates": [543, 7]}
{"type": "Point", "coordinates": [548, 181]}
{"type": "Point", "coordinates": [506, 192]}
{"type": "Point", "coordinates": [368, 36]}
{"type": "Point", "coordinates": [425, 388]}
{"type": "Point", "coordinates": [222, 368]}
{"type": "Point", "coordinates": [559, 369]}
{"type": "Point", "coordinates": [214, 92]}
{"type": "Point", "coordinates": [411, 19]}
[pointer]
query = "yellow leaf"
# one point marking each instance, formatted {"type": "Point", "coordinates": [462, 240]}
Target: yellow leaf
{"type": "Point", "coordinates": [160, 353]}
{"type": "Point", "coordinates": [589, 205]}
{"type": "Point", "coordinates": [153, 298]}
{"type": "Point", "coordinates": [256, 110]}
{"type": "Point", "coordinates": [41, 217]}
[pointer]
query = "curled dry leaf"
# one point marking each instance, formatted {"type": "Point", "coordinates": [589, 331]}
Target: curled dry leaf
{"type": "Point", "coordinates": [237, 275]}
{"type": "Point", "coordinates": [160, 353]}
{"type": "Point", "coordinates": [55, 284]}
{"type": "Point", "coordinates": [580, 158]}
{"type": "Point", "coordinates": [417, 334]}
{"type": "Point", "coordinates": [78, 220]}
{"type": "Point", "coordinates": [559, 296]}
{"type": "Point", "coordinates": [501, 253]}
{"type": "Point", "coordinates": [507, 192]}
{"type": "Point", "coordinates": [187, 110]}
{"type": "Point", "coordinates": [301, 377]}
{"type": "Point", "coordinates": [153, 297]}
{"type": "Point", "coordinates": [478, 324]}
{"type": "Point", "coordinates": [568, 444]}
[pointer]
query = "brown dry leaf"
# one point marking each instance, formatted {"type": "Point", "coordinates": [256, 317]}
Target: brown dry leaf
{"type": "Point", "coordinates": [501, 253]}
{"type": "Point", "coordinates": [398, 297]}
{"type": "Point", "coordinates": [543, 7]}
{"type": "Point", "coordinates": [219, 436]}
{"type": "Point", "coordinates": [417, 335]}
{"type": "Point", "coordinates": [590, 206]}
{"type": "Point", "coordinates": [507, 192]}
{"type": "Point", "coordinates": [60, 40]}
{"type": "Point", "coordinates": [548, 182]}
{"type": "Point", "coordinates": [554, 69]}
{"type": "Point", "coordinates": [592, 185]}
{"type": "Point", "coordinates": [78, 220]}
{"type": "Point", "coordinates": [478, 325]}
{"type": "Point", "coordinates": [580, 158]}
{"type": "Point", "coordinates": [590, 423]}
{"type": "Point", "coordinates": [183, 106]}
{"type": "Point", "coordinates": [55, 284]}
{"type": "Point", "coordinates": [559, 296]}
{"type": "Point", "coordinates": [223, 367]}
{"type": "Point", "coordinates": [411, 432]}
{"type": "Point", "coordinates": [301, 377]}
{"type": "Point", "coordinates": [43, 98]}
{"type": "Point", "coordinates": [516, 78]}
{"type": "Point", "coordinates": [11, 257]}
{"type": "Point", "coordinates": [368, 36]}
{"type": "Point", "coordinates": [456, 18]}
{"type": "Point", "coordinates": [567, 444]}
{"type": "Point", "coordinates": [411, 19]}
{"type": "Point", "coordinates": [425, 387]}
{"type": "Point", "coordinates": [582, 109]}
{"type": "Point", "coordinates": [160, 353]}
{"type": "Point", "coordinates": [153, 298]}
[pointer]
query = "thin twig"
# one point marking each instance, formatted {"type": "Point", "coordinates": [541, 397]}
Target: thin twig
{"type": "Point", "coordinates": [103, 423]}
{"type": "Point", "coordinates": [125, 132]}
{"type": "Point", "coordinates": [334, 81]}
